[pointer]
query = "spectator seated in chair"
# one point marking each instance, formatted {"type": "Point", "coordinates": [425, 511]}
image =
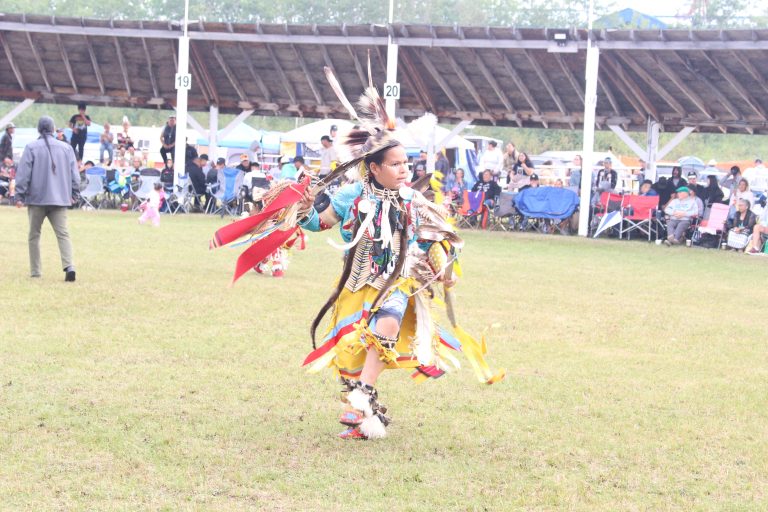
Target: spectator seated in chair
{"type": "Point", "coordinates": [699, 202]}
{"type": "Point", "coordinates": [7, 175]}
{"type": "Point", "coordinates": [712, 192]}
{"type": "Point", "coordinates": [457, 187]}
{"type": "Point", "coordinates": [680, 211]}
{"type": "Point", "coordinates": [533, 183]}
{"type": "Point", "coordinates": [742, 192]}
{"type": "Point", "coordinates": [742, 223]}
{"type": "Point", "coordinates": [492, 192]}
{"type": "Point", "coordinates": [646, 189]}
{"type": "Point", "coordinates": [759, 235]}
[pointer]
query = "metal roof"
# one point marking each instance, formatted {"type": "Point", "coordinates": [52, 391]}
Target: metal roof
{"type": "Point", "coordinates": [715, 80]}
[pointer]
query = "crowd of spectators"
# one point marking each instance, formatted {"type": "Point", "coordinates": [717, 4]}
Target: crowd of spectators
{"type": "Point", "coordinates": [683, 200]}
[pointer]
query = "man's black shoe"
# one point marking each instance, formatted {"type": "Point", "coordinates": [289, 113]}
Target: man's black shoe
{"type": "Point", "coordinates": [69, 276]}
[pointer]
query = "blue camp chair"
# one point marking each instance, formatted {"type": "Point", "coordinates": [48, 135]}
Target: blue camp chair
{"type": "Point", "coordinates": [93, 195]}
{"type": "Point", "coordinates": [228, 197]}
{"type": "Point", "coordinates": [545, 208]}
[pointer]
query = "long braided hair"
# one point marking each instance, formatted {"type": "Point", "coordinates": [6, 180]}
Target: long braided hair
{"type": "Point", "coordinates": [45, 128]}
{"type": "Point", "coordinates": [349, 258]}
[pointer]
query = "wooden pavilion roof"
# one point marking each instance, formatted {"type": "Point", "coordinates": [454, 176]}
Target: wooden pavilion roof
{"type": "Point", "coordinates": [714, 80]}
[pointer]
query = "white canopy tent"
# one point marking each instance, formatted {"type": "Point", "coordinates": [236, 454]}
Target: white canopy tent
{"type": "Point", "coordinates": [311, 133]}
{"type": "Point", "coordinates": [410, 135]}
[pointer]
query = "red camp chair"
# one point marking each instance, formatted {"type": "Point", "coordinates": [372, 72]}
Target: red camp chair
{"type": "Point", "coordinates": [638, 213]}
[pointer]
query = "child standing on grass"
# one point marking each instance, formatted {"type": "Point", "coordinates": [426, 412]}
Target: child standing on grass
{"type": "Point", "coordinates": [151, 207]}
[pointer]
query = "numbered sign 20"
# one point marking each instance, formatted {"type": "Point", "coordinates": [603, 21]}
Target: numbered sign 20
{"type": "Point", "coordinates": [392, 91]}
{"type": "Point", "coordinates": [183, 81]}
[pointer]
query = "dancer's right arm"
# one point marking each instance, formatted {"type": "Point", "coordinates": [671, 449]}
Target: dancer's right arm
{"type": "Point", "coordinates": [339, 207]}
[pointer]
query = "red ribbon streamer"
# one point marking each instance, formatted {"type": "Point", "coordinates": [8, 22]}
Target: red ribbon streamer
{"type": "Point", "coordinates": [235, 230]}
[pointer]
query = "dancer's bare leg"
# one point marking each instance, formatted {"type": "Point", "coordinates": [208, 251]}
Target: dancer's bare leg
{"type": "Point", "coordinates": [373, 366]}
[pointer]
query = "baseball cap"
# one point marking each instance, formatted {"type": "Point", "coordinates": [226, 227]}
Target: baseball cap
{"type": "Point", "coordinates": [534, 176]}
{"type": "Point", "coordinates": [712, 163]}
{"type": "Point", "coordinates": [420, 167]}
{"type": "Point", "coordinates": [692, 174]}
{"type": "Point", "coordinates": [683, 189]}
{"type": "Point", "coordinates": [607, 159]}
{"type": "Point", "coordinates": [10, 125]}
{"type": "Point", "coordinates": [285, 159]}
{"type": "Point", "coordinates": [172, 116]}
{"type": "Point", "coordinates": [220, 161]}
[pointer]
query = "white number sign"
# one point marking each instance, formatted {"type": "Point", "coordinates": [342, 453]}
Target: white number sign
{"type": "Point", "coordinates": [183, 81]}
{"type": "Point", "coordinates": [392, 91]}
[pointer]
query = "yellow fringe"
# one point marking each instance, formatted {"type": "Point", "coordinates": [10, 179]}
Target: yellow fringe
{"type": "Point", "coordinates": [474, 351]}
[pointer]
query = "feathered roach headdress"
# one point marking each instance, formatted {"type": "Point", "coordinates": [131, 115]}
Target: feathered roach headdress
{"type": "Point", "coordinates": [373, 133]}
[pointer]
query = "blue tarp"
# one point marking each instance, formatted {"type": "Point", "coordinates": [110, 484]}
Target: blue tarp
{"type": "Point", "coordinates": [547, 202]}
{"type": "Point", "coordinates": [630, 18]}
{"type": "Point", "coordinates": [24, 136]}
{"type": "Point", "coordinates": [94, 133]}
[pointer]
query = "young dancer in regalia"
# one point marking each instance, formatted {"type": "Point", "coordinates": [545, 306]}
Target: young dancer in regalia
{"type": "Point", "coordinates": [400, 260]}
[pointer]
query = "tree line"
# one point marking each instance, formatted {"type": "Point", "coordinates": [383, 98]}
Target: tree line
{"type": "Point", "coordinates": [518, 13]}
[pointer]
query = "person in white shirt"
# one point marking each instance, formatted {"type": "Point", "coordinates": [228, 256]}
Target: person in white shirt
{"type": "Point", "coordinates": [742, 192]}
{"type": "Point", "coordinates": [492, 159]}
{"type": "Point", "coordinates": [327, 156]}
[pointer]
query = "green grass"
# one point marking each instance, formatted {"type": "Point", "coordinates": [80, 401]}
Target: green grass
{"type": "Point", "coordinates": [637, 380]}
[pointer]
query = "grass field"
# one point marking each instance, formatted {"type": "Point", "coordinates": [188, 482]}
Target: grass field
{"type": "Point", "coordinates": [637, 380]}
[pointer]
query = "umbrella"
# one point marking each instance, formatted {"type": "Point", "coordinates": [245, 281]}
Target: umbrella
{"type": "Point", "coordinates": [691, 163]}
{"type": "Point", "coordinates": [609, 220]}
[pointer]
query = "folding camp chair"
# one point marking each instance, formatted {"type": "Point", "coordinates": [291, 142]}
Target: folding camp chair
{"type": "Point", "coordinates": [181, 198]}
{"type": "Point", "coordinates": [471, 208]}
{"type": "Point", "coordinates": [147, 179]}
{"type": "Point", "coordinates": [606, 202]}
{"type": "Point", "coordinates": [715, 224]}
{"type": "Point", "coordinates": [229, 195]}
{"type": "Point", "coordinates": [505, 209]}
{"type": "Point", "coordinates": [94, 188]}
{"type": "Point", "coordinates": [638, 213]}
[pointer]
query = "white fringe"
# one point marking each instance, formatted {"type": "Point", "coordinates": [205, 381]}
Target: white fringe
{"type": "Point", "coordinates": [373, 428]}
{"type": "Point", "coordinates": [360, 401]}
{"type": "Point", "coordinates": [367, 208]}
{"type": "Point", "coordinates": [424, 331]}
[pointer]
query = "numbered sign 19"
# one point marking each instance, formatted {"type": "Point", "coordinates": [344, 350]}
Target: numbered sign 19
{"type": "Point", "coordinates": [392, 91]}
{"type": "Point", "coordinates": [183, 81]}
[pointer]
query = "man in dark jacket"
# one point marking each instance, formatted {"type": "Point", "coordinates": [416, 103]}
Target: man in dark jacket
{"type": "Point", "coordinates": [168, 138]}
{"type": "Point", "coordinates": [6, 143]}
{"type": "Point", "coordinates": [196, 178]}
{"type": "Point", "coordinates": [47, 181]}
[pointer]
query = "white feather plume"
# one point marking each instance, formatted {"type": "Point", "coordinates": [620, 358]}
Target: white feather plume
{"type": "Point", "coordinates": [424, 331]}
{"type": "Point", "coordinates": [336, 86]}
